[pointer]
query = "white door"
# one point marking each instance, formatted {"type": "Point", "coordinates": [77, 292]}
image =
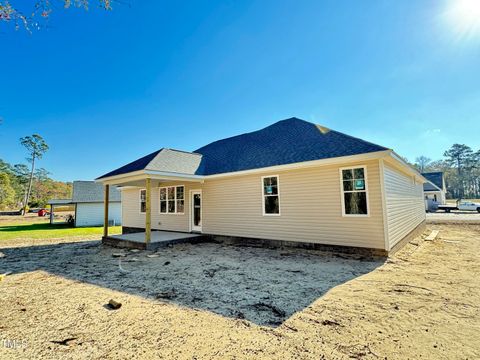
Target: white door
{"type": "Point", "coordinates": [196, 211]}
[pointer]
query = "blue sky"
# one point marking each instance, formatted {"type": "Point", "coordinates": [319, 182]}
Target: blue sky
{"type": "Point", "coordinates": [105, 88]}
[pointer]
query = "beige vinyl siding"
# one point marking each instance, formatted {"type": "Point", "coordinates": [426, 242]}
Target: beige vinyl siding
{"type": "Point", "coordinates": [405, 205]}
{"type": "Point", "coordinates": [132, 217]}
{"type": "Point", "coordinates": [310, 207]}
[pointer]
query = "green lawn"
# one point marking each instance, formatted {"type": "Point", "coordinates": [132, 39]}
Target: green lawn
{"type": "Point", "coordinates": [22, 230]}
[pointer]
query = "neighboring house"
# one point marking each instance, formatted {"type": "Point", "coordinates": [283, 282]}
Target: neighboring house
{"type": "Point", "coordinates": [435, 189]}
{"type": "Point", "coordinates": [88, 199]}
{"type": "Point", "coordinates": [292, 182]}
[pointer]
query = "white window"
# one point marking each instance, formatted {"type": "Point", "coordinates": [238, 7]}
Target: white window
{"type": "Point", "coordinates": [172, 200]}
{"type": "Point", "coordinates": [354, 191]}
{"type": "Point", "coordinates": [143, 200]}
{"type": "Point", "coordinates": [271, 195]}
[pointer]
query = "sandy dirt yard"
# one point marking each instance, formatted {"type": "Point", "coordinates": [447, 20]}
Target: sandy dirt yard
{"type": "Point", "coordinates": [213, 301]}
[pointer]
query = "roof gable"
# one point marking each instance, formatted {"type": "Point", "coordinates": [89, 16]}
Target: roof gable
{"type": "Point", "coordinates": [175, 161]}
{"type": "Point", "coordinates": [167, 160]}
{"type": "Point", "coordinates": [435, 177]}
{"type": "Point", "coordinates": [136, 165]}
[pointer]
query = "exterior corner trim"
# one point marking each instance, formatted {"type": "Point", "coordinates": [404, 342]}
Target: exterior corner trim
{"type": "Point", "coordinates": [384, 205]}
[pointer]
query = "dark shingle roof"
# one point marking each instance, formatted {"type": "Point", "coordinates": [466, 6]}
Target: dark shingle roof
{"type": "Point", "coordinates": [136, 165]}
{"type": "Point", "coordinates": [434, 177]}
{"type": "Point", "coordinates": [285, 142]}
{"type": "Point", "coordinates": [429, 186]}
{"type": "Point", "coordinates": [167, 160]}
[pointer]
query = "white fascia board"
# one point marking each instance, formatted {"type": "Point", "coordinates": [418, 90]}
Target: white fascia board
{"type": "Point", "coordinates": [106, 180]}
{"type": "Point", "coordinates": [173, 176]}
{"type": "Point", "coordinates": [154, 174]}
{"type": "Point", "coordinates": [151, 174]}
{"type": "Point", "coordinates": [435, 186]}
{"type": "Point", "coordinates": [406, 167]}
{"type": "Point", "coordinates": [127, 187]}
{"type": "Point", "coordinates": [307, 164]}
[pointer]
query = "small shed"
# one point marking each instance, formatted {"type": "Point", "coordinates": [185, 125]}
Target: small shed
{"type": "Point", "coordinates": [88, 199]}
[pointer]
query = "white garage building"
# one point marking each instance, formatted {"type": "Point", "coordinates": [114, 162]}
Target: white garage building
{"type": "Point", "coordinates": [88, 199]}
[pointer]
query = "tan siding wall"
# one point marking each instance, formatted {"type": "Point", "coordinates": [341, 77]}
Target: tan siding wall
{"type": "Point", "coordinates": [405, 208]}
{"type": "Point", "coordinates": [132, 217]}
{"type": "Point", "coordinates": [310, 205]}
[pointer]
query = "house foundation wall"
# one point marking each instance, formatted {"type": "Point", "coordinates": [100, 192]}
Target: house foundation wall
{"type": "Point", "coordinates": [279, 244]}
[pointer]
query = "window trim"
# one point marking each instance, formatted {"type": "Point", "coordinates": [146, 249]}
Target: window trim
{"type": "Point", "coordinates": [279, 196]}
{"type": "Point", "coordinates": [184, 200]}
{"type": "Point", "coordinates": [140, 201]}
{"type": "Point", "coordinates": [342, 192]}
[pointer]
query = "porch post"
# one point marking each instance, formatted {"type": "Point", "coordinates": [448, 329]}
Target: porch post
{"type": "Point", "coordinates": [105, 211]}
{"type": "Point", "coordinates": [148, 210]}
{"type": "Point", "coordinates": [51, 213]}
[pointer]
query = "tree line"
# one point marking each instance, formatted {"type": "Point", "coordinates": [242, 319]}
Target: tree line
{"type": "Point", "coordinates": [14, 180]}
{"type": "Point", "coordinates": [23, 186]}
{"type": "Point", "coordinates": [461, 168]}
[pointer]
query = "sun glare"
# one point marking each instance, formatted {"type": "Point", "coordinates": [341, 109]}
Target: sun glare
{"type": "Point", "coordinates": [464, 18]}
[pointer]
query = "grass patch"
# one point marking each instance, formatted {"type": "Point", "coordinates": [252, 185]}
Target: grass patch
{"type": "Point", "coordinates": [10, 231]}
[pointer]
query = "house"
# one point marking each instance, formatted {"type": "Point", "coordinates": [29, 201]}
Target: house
{"type": "Point", "coordinates": [291, 183]}
{"type": "Point", "coordinates": [88, 199]}
{"type": "Point", "coordinates": [435, 189]}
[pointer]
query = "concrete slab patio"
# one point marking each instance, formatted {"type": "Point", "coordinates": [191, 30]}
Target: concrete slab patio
{"type": "Point", "coordinates": [158, 240]}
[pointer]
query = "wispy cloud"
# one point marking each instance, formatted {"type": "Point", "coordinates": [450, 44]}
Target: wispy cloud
{"type": "Point", "coordinates": [432, 131]}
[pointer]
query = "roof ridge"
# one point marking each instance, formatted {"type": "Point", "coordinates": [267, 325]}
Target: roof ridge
{"type": "Point", "coordinates": [248, 132]}
{"type": "Point", "coordinates": [356, 138]}
{"type": "Point", "coordinates": [182, 151]}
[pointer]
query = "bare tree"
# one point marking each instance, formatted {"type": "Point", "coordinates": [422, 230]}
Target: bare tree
{"type": "Point", "coordinates": [36, 147]}
{"type": "Point", "coordinates": [41, 11]}
{"type": "Point", "coordinates": [422, 162]}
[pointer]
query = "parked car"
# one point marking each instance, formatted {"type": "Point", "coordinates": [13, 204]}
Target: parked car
{"type": "Point", "coordinates": [461, 205]}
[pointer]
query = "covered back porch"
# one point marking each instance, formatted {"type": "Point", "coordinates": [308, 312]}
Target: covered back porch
{"type": "Point", "coordinates": [146, 237]}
